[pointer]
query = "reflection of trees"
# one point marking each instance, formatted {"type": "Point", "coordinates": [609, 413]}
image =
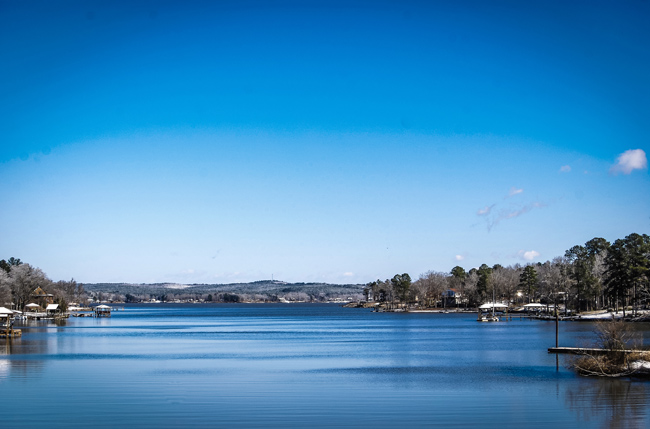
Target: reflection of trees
{"type": "Point", "coordinates": [619, 403]}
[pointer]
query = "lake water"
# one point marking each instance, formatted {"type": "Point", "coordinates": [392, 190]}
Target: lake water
{"type": "Point", "coordinates": [304, 365]}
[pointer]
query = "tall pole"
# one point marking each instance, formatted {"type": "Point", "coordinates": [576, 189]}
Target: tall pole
{"type": "Point", "coordinates": [557, 319]}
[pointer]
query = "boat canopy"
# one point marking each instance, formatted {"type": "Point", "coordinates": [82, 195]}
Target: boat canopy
{"type": "Point", "coordinates": [4, 312]}
{"type": "Point", "coordinates": [492, 305]}
{"type": "Point", "coordinates": [534, 305]}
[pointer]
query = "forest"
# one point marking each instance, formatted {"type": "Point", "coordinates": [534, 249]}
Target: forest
{"type": "Point", "coordinates": [596, 275]}
{"type": "Point", "coordinates": [259, 291]}
{"type": "Point", "coordinates": [19, 280]}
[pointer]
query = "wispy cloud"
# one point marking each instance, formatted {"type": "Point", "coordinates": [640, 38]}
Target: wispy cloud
{"type": "Point", "coordinates": [528, 255]}
{"type": "Point", "coordinates": [505, 214]}
{"type": "Point", "coordinates": [492, 219]}
{"type": "Point", "coordinates": [565, 169]}
{"type": "Point", "coordinates": [460, 257]}
{"type": "Point", "coordinates": [348, 274]}
{"type": "Point", "coordinates": [630, 160]}
{"type": "Point", "coordinates": [514, 191]}
{"type": "Point", "coordinates": [485, 211]}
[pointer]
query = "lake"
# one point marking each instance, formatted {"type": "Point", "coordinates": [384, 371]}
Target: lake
{"type": "Point", "coordinates": [304, 365]}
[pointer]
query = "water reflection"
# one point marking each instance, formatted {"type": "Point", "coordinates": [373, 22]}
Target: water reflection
{"type": "Point", "coordinates": [32, 323]}
{"type": "Point", "coordinates": [14, 359]}
{"type": "Point", "coordinates": [617, 403]}
{"type": "Point", "coordinates": [283, 365]}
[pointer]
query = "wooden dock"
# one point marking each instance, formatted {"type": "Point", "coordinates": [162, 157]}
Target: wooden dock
{"type": "Point", "coordinates": [584, 351]}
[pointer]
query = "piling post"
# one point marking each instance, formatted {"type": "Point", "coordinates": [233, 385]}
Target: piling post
{"type": "Point", "coordinates": [556, 328]}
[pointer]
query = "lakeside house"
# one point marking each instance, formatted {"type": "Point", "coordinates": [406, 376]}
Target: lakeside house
{"type": "Point", "coordinates": [41, 297]}
{"type": "Point", "coordinates": [451, 298]}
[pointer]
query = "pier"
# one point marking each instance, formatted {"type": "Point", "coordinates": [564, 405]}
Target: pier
{"type": "Point", "coordinates": [585, 351]}
{"type": "Point", "coordinates": [7, 324]}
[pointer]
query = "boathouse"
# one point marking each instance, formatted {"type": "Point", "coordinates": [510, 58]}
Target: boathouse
{"type": "Point", "coordinates": [52, 310]}
{"type": "Point", "coordinates": [102, 311]}
{"type": "Point", "coordinates": [7, 324]}
{"type": "Point", "coordinates": [32, 306]}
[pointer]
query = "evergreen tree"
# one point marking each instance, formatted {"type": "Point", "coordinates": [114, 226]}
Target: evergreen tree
{"type": "Point", "coordinates": [484, 273]}
{"type": "Point", "coordinates": [528, 280]}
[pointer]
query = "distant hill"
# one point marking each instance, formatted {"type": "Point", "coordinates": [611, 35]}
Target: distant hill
{"type": "Point", "coordinates": [263, 290]}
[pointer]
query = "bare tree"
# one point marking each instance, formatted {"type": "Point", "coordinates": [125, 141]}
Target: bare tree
{"type": "Point", "coordinates": [619, 343]}
{"type": "Point", "coordinates": [505, 281]}
{"type": "Point", "coordinates": [68, 291]}
{"type": "Point", "coordinates": [432, 285]}
{"type": "Point", "coordinates": [5, 289]}
{"type": "Point", "coordinates": [24, 280]}
{"type": "Point", "coordinates": [471, 289]}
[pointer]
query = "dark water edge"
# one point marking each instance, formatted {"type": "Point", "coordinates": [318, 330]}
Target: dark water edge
{"type": "Point", "coordinates": [304, 365]}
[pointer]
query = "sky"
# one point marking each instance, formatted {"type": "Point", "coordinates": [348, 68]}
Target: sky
{"type": "Point", "coordinates": [317, 141]}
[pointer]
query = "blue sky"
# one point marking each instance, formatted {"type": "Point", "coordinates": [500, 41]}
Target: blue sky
{"type": "Point", "coordinates": [215, 142]}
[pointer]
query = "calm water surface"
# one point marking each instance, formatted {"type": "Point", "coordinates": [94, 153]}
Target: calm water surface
{"type": "Point", "coordinates": [304, 365]}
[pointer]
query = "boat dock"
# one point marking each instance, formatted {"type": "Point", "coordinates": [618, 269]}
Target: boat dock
{"type": "Point", "coordinates": [584, 351]}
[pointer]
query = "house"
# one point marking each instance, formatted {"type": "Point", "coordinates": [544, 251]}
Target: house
{"type": "Point", "coordinates": [41, 297]}
{"type": "Point", "coordinates": [451, 298]}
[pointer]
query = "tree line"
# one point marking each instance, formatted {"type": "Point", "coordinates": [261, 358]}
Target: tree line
{"type": "Point", "coordinates": [259, 291]}
{"type": "Point", "coordinates": [593, 276]}
{"type": "Point", "coordinates": [596, 275]}
{"type": "Point", "coordinates": [19, 280]}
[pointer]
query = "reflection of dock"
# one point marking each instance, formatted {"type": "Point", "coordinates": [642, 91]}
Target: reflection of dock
{"type": "Point", "coordinates": [10, 333]}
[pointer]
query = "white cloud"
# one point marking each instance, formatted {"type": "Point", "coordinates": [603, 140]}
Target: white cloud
{"type": "Point", "coordinates": [514, 191]}
{"type": "Point", "coordinates": [528, 255]}
{"type": "Point", "coordinates": [348, 274]}
{"type": "Point", "coordinates": [630, 160]}
{"type": "Point", "coordinates": [565, 169]}
{"type": "Point", "coordinates": [459, 257]}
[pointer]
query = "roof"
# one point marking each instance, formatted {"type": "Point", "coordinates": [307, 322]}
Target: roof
{"type": "Point", "coordinates": [40, 292]}
{"type": "Point", "coordinates": [52, 307]}
{"type": "Point", "coordinates": [103, 307]}
{"type": "Point", "coordinates": [534, 304]}
{"type": "Point", "coordinates": [495, 305]}
{"type": "Point", "coordinates": [5, 311]}
{"type": "Point", "coordinates": [32, 305]}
